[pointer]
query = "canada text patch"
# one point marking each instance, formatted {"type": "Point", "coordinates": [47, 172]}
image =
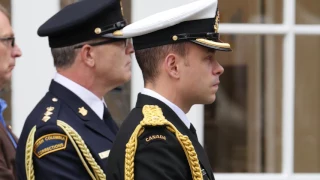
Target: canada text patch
{"type": "Point", "coordinates": [50, 143]}
{"type": "Point", "coordinates": [154, 137]}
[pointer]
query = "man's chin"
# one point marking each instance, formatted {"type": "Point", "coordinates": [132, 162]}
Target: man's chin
{"type": "Point", "coordinates": [5, 83]}
{"type": "Point", "coordinates": [127, 77]}
{"type": "Point", "coordinates": [206, 100]}
{"type": "Point", "coordinates": [210, 99]}
{"type": "Point", "coordinates": [123, 80]}
{"type": "Point", "coordinates": [8, 78]}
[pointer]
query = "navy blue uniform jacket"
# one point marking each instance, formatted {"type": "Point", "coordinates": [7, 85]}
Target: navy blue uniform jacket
{"type": "Point", "coordinates": [54, 156]}
{"type": "Point", "coordinates": [155, 158]}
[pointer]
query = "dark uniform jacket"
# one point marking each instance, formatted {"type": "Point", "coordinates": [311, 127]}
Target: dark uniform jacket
{"type": "Point", "coordinates": [7, 154]}
{"type": "Point", "coordinates": [159, 155]}
{"type": "Point", "coordinates": [54, 156]}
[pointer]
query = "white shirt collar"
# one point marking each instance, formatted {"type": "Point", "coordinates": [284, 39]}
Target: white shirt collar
{"type": "Point", "coordinates": [94, 102]}
{"type": "Point", "coordinates": [174, 107]}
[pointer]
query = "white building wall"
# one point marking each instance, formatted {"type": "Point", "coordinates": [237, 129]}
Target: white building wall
{"type": "Point", "coordinates": [33, 71]}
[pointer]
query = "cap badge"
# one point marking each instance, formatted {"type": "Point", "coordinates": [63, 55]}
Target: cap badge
{"type": "Point", "coordinates": [216, 25]}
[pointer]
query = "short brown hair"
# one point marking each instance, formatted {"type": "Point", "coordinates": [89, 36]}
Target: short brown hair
{"type": "Point", "coordinates": [150, 58]}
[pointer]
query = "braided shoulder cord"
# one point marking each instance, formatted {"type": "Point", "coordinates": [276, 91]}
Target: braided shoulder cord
{"type": "Point", "coordinates": [28, 154]}
{"type": "Point", "coordinates": [153, 116]}
{"type": "Point", "coordinates": [78, 143]}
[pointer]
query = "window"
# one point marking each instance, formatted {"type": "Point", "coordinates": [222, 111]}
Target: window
{"type": "Point", "coordinates": [307, 12]}
{"type": "Point", "coordinates": [248, 105]}
{"type": "Point", "coordinates": [307, 103]}
{"type": "Point", "coordinates": [251, 11]}
{"type": "Point", "coordinates": [264, 124]}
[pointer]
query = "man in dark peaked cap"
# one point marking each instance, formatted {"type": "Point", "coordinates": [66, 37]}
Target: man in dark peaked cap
{"type": "Point", "coordinates": [175, 50]}
{"type": "Point", "coordinates": [69, 133]}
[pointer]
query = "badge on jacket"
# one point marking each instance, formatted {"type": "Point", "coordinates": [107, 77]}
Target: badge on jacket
{"type": "Point", "coordinates": [50, 143]}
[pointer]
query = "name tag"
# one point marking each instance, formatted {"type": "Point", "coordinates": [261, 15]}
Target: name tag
{"type": "Point", "coordinates": [104, 154]}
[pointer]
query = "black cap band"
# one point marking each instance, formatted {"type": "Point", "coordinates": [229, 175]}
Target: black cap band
{"type": "Point", "coordinates": [195, 29]}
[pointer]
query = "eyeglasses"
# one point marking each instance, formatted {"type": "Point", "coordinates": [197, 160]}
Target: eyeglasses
{"type": "Point", "coordinates": [12, 39]}
{"type": "Point", "coordinates": [126, 42]}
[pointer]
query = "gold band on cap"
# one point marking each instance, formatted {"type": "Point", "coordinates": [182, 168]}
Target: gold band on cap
{"type": "Point", "coordinates": [213, 43]}
{"type": "Point", "coordinates": [118, 33]}
{"type": "Point", "coordinates": [97, 30]}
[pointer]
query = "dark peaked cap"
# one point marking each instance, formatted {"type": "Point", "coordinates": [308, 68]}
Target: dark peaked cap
{"type": "Point", "coordinates": [83, 21]}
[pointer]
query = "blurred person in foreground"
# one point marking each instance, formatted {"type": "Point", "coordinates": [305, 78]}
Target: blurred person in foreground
{"type": "Point", "coordinates": [9, 51]}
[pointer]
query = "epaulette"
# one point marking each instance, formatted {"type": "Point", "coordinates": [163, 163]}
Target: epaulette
{"type": "Point", "coordinates": [153, 116]}
{"type": "Point", "coordinates": [50, 113]}
{"type": "Point", "coordinates": [51, 116]}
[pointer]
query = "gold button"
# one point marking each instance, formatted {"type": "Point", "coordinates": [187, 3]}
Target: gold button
{"type": "Point", "coordinates": [54, 99]}
{"type": "Point", "coordinates": [174, 37]}
{"type": "Point", "coordinates": [9, 127]}
{"type": "Point", "coordinates": [97, 30]}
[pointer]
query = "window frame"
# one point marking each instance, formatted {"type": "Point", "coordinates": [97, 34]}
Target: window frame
{"type": "Point", "coordinates": [289, 29]}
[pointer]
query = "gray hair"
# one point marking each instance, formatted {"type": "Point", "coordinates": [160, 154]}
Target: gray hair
{"type": "Point", "coordinates": [4, 11]}
{"type": "Point", "coordinates": [64, 57]}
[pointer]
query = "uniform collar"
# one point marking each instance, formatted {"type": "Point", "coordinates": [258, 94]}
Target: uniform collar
{"type": "Point", "coordinates": [94, 102]}
{"type": "Point", "coordinates": [174, 107]}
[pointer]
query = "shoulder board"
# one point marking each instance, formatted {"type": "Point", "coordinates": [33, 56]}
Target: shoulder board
{"type": "Point", "coordinates": [49, 112]}
{"type": "Point", "coordinates": [153, 116]}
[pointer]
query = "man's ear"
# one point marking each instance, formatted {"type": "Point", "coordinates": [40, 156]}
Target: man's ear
{"type": "Point", "coordinates": [171, 65]}
{"type": "Point", "coordinates": [87, 55]}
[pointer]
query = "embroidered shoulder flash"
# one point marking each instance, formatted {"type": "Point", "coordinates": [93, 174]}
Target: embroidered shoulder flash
{"type": "Point", "coordinates": [52, 142]}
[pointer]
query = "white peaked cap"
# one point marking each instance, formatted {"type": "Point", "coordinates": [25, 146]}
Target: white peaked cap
{"type": "Point", "coordinates": [197, 22]}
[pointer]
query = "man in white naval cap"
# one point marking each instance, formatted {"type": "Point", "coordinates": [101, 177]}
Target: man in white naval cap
{"type": "Point", "coordinates": [175, 50]}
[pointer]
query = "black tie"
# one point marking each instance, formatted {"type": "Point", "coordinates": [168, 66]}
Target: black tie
{"type": "Point", "coordinates": [106, 114]}
{"type": "Point", "coordinates": [193, 130]}
{"type": "Point", "coordinates": [109, 121]}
